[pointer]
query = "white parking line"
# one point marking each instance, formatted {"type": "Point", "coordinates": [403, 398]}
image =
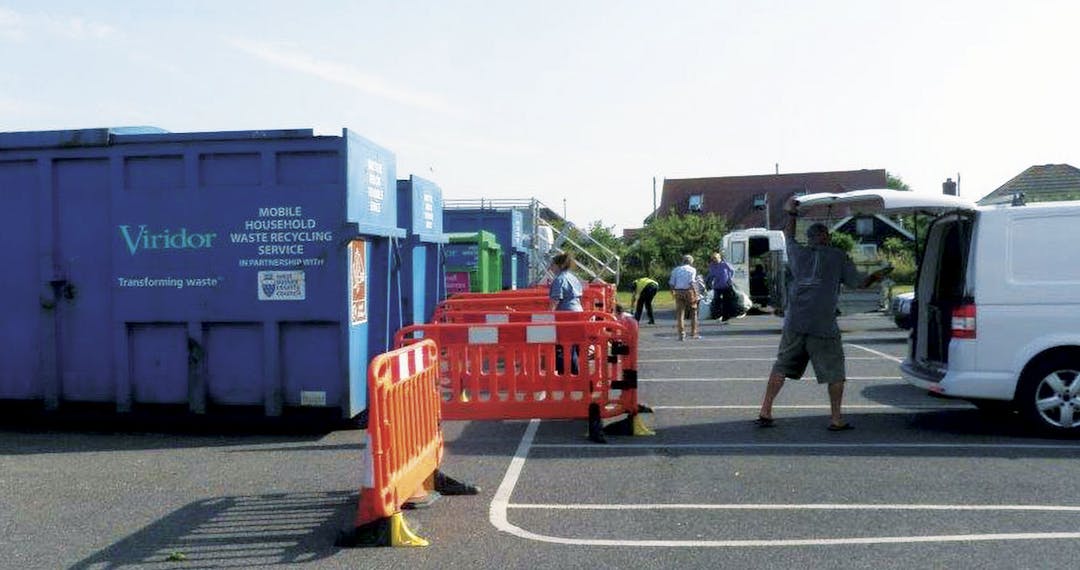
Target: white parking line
{"type": "Point", "coordinates": [761, 379]}
{"type": "Point", "coordinates": [696, 346]}
{"type": "Point", "coordinates": [797, 507]}
{"type": "Point", "coordinates": [736, 359]}
{"type": "Point", "coordinates": [957, 406]}
{"type": "Point", "coordinates": [881, 354]}
{"type": "Point", "coordinates": [812, 445]}
{"type": "Point", "coordinates": [497, 510]}
{"type": "Point", "coordinates": [500, 504]}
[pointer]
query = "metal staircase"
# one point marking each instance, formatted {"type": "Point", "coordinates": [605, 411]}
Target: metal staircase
{"type": "Point", "coordinates": [547, 234]}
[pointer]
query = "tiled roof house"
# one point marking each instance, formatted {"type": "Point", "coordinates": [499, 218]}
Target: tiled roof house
{"type": "Point", "coordinates": [1044, 183]}
{"type": "Point", "coordinates": [734, 197]}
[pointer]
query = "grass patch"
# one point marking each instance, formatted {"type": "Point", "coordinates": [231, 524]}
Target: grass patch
{"type": "Point", "coordinates": [662, 301]}
{"type": "Point", "coordinates": [897, 289]}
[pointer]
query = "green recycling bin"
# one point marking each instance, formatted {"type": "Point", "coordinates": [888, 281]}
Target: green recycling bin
{"type": "Point", "coordinates": [473, 263]}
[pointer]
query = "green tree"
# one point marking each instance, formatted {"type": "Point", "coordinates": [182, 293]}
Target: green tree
{"type": "Point", "coordinates": [842, 241]}
{"type": "Point", "coordinates": [901, 255]}
{"type": "Point", "coordinates": [605, 235]}
{"type": "Point", "coordinates": [660, 245]}
{"type": "Point", "coordinates": [896, 183]}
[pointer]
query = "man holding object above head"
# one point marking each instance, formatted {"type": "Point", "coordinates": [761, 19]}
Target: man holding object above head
{"type": "Point", "coordinates": [810, 333]}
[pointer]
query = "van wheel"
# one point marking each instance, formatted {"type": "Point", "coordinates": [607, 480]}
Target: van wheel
{"type": "Point", "coordinates": [1049, 395]}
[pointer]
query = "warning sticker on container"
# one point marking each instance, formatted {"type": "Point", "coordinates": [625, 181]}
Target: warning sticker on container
{"type": "Point", "coordinates": [457, 282]}
{"type": "Point", "coordinates": [281, 286]}
{"type": "Point", "coordinates": [357, 282]}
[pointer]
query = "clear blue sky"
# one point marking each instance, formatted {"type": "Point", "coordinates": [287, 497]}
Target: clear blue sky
{"type": "Point", "coordinates": [582, 101]}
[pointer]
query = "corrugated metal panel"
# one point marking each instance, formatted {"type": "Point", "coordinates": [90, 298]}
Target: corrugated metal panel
{"type": "Point", "coordinates": [207, 269]}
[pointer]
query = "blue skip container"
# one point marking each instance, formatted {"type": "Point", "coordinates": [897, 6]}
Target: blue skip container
{"type": "Point", "coordinates": [214, 271]}
{"type": "Point", "coordinates": [423, 273]}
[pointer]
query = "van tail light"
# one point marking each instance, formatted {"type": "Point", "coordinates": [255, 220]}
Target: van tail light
{"type": "Point", "coordinates": [963, 321]}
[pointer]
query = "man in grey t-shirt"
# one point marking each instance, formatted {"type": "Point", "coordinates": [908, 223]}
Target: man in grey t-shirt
{"type": "Point", "coordinates": [810, 333]}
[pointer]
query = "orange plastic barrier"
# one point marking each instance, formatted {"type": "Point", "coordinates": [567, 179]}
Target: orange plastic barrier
{"type": "Point", "coordinates": [480, 316]}
{"type": "Point", "coordinates": [594, 297]}
{"type": "Point", "coordinates": [493, 303]}
{"type": "Point", "coordinates": [404, 445]}
{"type": "Point", "coordinates": [568, 368]}
{"type": "Point", "coordinates": [537, 291]}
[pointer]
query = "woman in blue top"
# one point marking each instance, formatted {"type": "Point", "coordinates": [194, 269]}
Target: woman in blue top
{"type": "Point", "coordinates": [565, 295]}
{"type": "Point", "coordinates": [565, 291]}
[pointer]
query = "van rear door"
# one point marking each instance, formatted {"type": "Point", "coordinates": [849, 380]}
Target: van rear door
{"type": "Point", "coordinates": [940, 283]}
{"type": "Point", "coordinates": [883, 201]}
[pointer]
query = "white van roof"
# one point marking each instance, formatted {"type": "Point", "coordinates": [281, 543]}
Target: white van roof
{"type": "Point", "coordinates": [884, 200]}
{"type": "Point", "coordinates": [749, 232]}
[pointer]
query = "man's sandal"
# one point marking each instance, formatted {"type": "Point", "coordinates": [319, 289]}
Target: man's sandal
{"type": "Point", "coordinates": [764, 422]}
{"type": "Point", "coordinates": [841, 427]}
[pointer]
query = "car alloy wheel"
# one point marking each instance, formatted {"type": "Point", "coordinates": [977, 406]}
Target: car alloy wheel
{"type": "Point", "coordinates": [1057, 399]}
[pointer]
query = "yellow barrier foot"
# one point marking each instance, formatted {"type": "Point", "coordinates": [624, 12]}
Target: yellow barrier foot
{"type": "Point", "coordinates": [401, 535]}
{"type": "Point", "coordinates": [640, 428]}
{"type": "Point", "coordinates": [447, 485]}
{"type": "Point", "coordinates": [390, 531]}
{"type": "Point", "coordinates": [630, 425]}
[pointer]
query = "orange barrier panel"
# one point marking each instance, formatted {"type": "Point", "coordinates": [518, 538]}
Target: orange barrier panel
{"type": "Point", "coordinates": [522, 292]}
{"type": "Point", "coordinates": [480, 316]}
{"type": "Point", "coordinates": [629, 360]}
{"type": "Point", "coordinates": [491, 304]}
{"type": "Point", "coordinates": [594, 297]}
{"type": "Point", "coordinates": [573, 367]}
{"type": "Point", "coordinates": [404, 445]}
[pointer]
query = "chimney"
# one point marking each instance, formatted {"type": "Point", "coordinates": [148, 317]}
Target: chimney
{"type": "Point", "coordinates": [948, 187]}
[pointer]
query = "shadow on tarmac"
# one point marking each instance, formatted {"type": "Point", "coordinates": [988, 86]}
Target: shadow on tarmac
{"type": "Point", "coordinates": [249, 531]}
{"type": "Point", "coordinates": [938, 433]}
{"type": "Point", "coordinates": [28, 430]}
{"type": "Point", "coordinates": [961, 433]}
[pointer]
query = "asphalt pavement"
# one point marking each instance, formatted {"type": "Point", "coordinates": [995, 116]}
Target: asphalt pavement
{"type": "Point", "coordinates": [920, 482]}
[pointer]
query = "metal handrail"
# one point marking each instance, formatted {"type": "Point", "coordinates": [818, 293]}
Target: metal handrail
{"type": "Point", "coordinates": [590, 264]}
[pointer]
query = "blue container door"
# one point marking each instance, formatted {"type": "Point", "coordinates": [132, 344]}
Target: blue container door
{"type": "Point", "coordinates": [358, 308]}
{"type": "Point", "coordinates": [422, 282]}
{"type": "Point", "coordinates": [522, 273]}
{"type": "Point", "coordinates": [385, 299]}
{"type": "Point", "coordinates": [435, 273]}
{"type": "Point", "coordinates": [21, 342]}
{"type": "Point", "coordinates": [232, 379]}
{"type": "Point", "coordinates": [83, 261]}
{"type": "Point", "coordinates": [159, 363]}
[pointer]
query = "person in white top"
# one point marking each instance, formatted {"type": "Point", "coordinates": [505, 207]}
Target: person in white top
{"type": "Point", "coordinates": [682, 289]}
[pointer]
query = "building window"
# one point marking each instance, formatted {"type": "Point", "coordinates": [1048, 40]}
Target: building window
{"type": "Point", "coordinates": [867, 251]}
{"type": "Point", "coordinates": [864, 226]}
{"type": "Point", "coordinates": [696, 201]}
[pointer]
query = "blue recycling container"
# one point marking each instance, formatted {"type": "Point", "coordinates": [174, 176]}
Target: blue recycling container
{"type": "Point", "coordinates": [423, 284]}
{"type": "Point", "coordinates": [212, 270]}
{"type": "Point", "coordinates": [507, 225]}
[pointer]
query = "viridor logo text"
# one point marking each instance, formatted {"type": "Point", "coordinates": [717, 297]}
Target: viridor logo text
{"type": "Point", "coordinates": [143, 237]}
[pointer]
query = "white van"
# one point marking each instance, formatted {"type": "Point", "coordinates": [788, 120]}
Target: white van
{"type": "Point", "coordinates": [997, 303]}
{"type": "Point", "coordinates": [746, 249]}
